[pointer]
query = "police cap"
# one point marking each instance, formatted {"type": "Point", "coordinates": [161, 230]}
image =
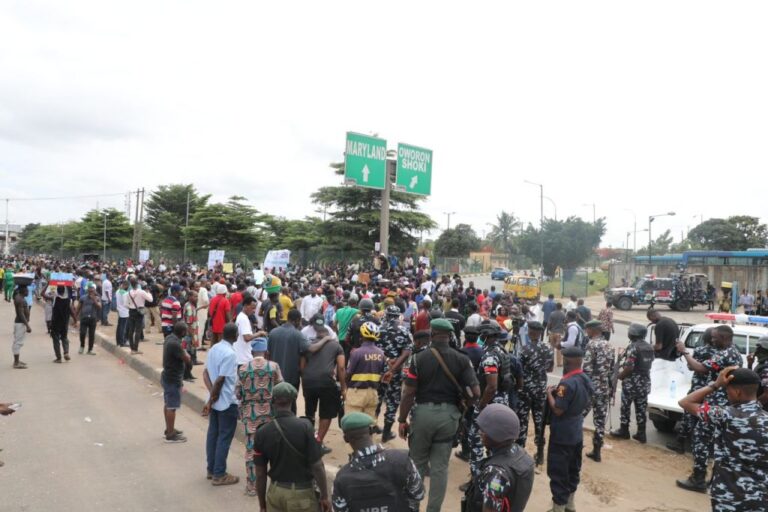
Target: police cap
{"type": "Point", "coordinates": [355, 421]}
{"type": "Point", "coordinates": [594, 324]}
{"type": "Point", "coordinates": [284, 391]}
{"type": "Point", "coordinates": [441, 324]}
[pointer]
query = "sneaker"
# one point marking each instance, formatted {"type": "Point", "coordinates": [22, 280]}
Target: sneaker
{"type": "Point", "coordinates": [387, 436]}
{"type": "Point", "coordinates": [66, 357]}
{"type": "Point", "coordinates": [91, 353]}
{"type": "Point", "coordinates": [136, 352]}
{"type": "Point", "coordinates": [227, 479]}
{"type": "Point", "coordinates": [81, 351]}
{"type": "Point", "coordinates": [176, 432]}
{"type": "Point", "coordinates": [175, 438]}
{"type": "Point", "coordinates": [57, 360]}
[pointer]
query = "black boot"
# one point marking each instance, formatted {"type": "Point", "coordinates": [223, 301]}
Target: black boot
{"type": "Point", "coordinates": [678, 445]}
{"type": "Point", "coordinates": [621, 433]}
{"type": "Point", "coordinates": [595, 453]}
{"type": "Point", "coordinates": [696, 482]}
{"type": "Point", "coordinates": [387, 434]}
{"type": "Point", "coordinates": [540, 455]}
{"type": "Point", "coordinates": [640, 436]}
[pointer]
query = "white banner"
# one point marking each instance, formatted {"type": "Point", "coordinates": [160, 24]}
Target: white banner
{"type": "Point", "coordinates": [143, 255]}
{"type": "Point", "coordinates": [215, 257]}
{"type": "Point", "coordinates": [258, 276]}
{"type": "Point", "coordinates": [277, 259]}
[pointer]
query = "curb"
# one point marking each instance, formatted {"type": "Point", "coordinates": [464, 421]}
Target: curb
{"type": "Point", "coordinates": [190, 400]}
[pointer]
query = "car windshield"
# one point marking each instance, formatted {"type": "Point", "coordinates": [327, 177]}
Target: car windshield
{"type": "Point", "coordinates": [739, 340]}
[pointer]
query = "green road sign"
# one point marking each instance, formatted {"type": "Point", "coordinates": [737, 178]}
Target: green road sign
{"type": "Point", "coordinates": [365, 161]}
{"type": "Point", "coordinates": [414, 169]}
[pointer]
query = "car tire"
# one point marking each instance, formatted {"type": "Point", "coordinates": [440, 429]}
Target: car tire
{"type": "Point", "coordinates": [666, 425]}
{"type": "Point", "coordinates": [624, 303]}
{"type": "Point", "coordinates": [683, 305]}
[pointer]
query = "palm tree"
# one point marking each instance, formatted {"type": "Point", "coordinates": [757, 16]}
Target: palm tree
{"type": "Point", "coordinates": [502, 235]}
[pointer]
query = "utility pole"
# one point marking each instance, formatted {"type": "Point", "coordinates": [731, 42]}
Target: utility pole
{"type": "Point", "coordinates": [134, 250]}
{"type": "Point", "coordinates": [448, 223]}
{"type": "Point", "coordinates": [186, 227]}
{"type": "Point", "coordinates": [384, 223]}
{"type": "Point", "coordinates": [141, 225]}
{"type": "Point", "coordinates": [104, 255]}
{"type": "Point", "coordinates": [7, 245]}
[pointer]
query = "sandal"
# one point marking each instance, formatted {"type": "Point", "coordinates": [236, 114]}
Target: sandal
{"type": "Point", "coordinates": [19, 366]}
{"type": "Point", "coordinates": [57, 360]}
{"type": "Point", "coordinates": [227, 479]}
{"type": "Point", "coordinates": [251, 492]}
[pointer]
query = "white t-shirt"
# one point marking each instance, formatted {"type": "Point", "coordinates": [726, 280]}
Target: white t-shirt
{"type": "Point", "coordinates": [571, 334]}
{"type": "Point", "coordinates": [570, 306]}
{"type": "Point", "coordinates": [310, 333]}
{"type": "Point", "coordinates": [106, 290]}
{"type": "Point", "coordinates": [474, 320]}
{"type": "Point", "coordinates": [242, 347]}
{"type": "Point", "coordinates": [427, 285]}
{"type": "Point", "coordinates": [310, 305]}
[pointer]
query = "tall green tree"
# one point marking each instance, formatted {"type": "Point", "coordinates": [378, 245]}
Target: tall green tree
{"type": "Point", "coordinates": [660, 246]}
{"type": "Point", "coordinates": [230, 225]}
{"type": "Point", "coordinates": [165, 213]}
{"type": "Point", "coordinates": [567, 243]}
{"type": "Point", "coordinates": [354, 215]}
{"type": "Point", "coordinates": [717, 234]}
{"type": "Point", "coordinates": [504, 232]}
{"type": "Point", "coordinates": [755, 233]}
{"type": "Point", "coordinates": [92, 229]}
{"type": "Point", "coordinates": [457, 242]}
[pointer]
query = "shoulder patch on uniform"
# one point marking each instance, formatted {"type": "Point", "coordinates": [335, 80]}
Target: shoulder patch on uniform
{"type": "Point", "coordinates": [561, 391]}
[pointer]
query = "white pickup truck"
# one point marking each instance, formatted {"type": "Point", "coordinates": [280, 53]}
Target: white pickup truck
{"type": "Point", "coordinates": [671, 380]}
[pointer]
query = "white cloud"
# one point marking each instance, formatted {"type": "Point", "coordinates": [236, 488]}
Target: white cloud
{"type": "Point", "coordinates": [651, 106]}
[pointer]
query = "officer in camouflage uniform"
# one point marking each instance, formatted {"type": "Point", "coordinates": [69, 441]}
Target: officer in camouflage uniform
{"type": "Point", "coordinates": [761, 355]}
{"type": "Point", "coordinates": [536, 359]}
{"type": "Point", "coordinates": [598, 365]}
{"type": "Point", "coordinates": [494, 376]}
{"type": "Point", "coordinates": [740, 476]}
{"type": "Point", "coordinates": [724, 354]}
{"type": "Point", "coordinates": [701, 353]}
{"type": "Point", "coordinates": [635, 376]}
{"type": "Point", "coordinates": [395, 341]}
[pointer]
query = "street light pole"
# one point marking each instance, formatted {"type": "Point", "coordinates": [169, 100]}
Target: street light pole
{"type": "Point", "coordinates": [650, 238]}
{"type": "Point", "coordinates": [594, 217]}
{"type": "Point", "coordinates": [448, 224]}
{"type": "Point", "coordinates": [554, 205]}
{"type": "Point", "coordinates": [186, 230]}
{"type": "Point", "coordinates": [541, 220]}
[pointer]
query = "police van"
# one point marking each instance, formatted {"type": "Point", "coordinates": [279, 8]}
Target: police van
{"type": "Point", "coordinates": [671, 380]}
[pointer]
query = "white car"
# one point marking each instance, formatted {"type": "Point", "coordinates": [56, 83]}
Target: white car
{"type": "Point", "coordinates": [671, 380]}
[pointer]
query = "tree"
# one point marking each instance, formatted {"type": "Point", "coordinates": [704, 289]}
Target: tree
{"type": "Point", "coordinates": [166, 211]}
{"type": "Point", "coordinates": [502, 235]}
{"type": "Point", "coordinates": [718, 234]}
{"type": "Point", "coordinates": [755, 234]}
{"type": "Point", "coordinates": [91, 231]}
{"type": "Point", "coordinates": [660, 246]}
{"type": "Point", "coordinates": [230, 225]}
{"type": "Point", "coordinates": [457, 242]}
{"type": "Point", "coordinates": [354, 215]}
{"type": "Point", "coordinates": [567, 243]}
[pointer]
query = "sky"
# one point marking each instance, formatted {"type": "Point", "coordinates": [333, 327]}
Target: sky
{"type": "Point", "coordinates": [639, 108]}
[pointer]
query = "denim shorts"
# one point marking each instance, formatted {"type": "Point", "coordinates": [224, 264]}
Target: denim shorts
{"type": "Point", "coordinates": [171, 395]}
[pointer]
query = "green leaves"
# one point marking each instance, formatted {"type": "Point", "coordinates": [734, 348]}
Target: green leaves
{"type": "Point", "coordinates": [567, 243]}
{"type": "Point", "coordinates": [457, 242]}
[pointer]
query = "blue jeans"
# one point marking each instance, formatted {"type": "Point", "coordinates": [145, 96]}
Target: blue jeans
{"type": "Point", "coordinates": [221, 430]}
{"type": "Point", "coordinates": [122, 326]}
{"type": "Point", "coordinates": [105, 305]}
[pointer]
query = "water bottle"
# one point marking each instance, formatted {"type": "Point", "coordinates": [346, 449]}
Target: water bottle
{"type": "Point", "coordinates": [673, 388]}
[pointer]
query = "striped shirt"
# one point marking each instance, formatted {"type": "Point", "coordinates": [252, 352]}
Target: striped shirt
{"type": "Point", "coordinates": [170, 311]}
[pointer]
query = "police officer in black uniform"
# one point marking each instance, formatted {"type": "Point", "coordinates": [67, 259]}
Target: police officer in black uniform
{"type": "Point", "coordinates": [287, 446]}
{"type": "Point", "coordinates": [374, 478]}
{"type": "Point", "coordinates": [365, 315]}
{"type": "Point", "coordinates": [567, 401]}
{"type": "Point", "coordinates": [505, 478]}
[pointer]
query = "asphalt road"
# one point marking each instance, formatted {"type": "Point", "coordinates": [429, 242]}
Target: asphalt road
{"type": "Point", "coordinates": [89, 438]}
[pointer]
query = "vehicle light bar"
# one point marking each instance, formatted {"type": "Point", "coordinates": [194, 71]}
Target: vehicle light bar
{"type": "Point", "coordinates": [739, 319]}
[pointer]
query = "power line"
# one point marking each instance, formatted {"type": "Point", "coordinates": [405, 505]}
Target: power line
{"type": "Point", "coordinates": [62, 197]}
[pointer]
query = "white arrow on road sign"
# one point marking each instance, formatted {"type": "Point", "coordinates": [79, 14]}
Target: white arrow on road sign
{"type": "Point", "coordinates": [414, 181]}
{"type": "Point", "coordinates": [366, 172]}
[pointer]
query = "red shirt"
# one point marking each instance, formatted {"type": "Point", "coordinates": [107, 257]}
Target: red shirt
{"type": "Point", "coordinates": [235, 299]}
{"type": "Point", "coordinates": [422, 321]}
{"type": "Point", "coordinates": [220, 306]}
